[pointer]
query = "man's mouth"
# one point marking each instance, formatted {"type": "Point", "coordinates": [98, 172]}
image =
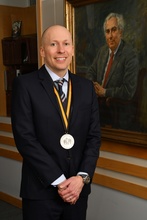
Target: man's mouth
{"type": "Point", "coordinates": [60, 58]}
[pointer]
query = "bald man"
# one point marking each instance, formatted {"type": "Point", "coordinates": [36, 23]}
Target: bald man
{"type": "Point", "coordinates": [55, 121]}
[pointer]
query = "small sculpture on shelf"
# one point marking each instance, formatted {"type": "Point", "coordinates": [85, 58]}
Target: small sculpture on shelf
{"type": "Point", "coordinates": [16, 29]}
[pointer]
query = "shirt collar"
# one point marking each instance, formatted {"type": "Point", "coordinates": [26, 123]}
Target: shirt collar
{"type": "Point", "coordinates": [55, 76]}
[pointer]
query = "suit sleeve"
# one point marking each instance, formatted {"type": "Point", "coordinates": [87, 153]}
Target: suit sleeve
{"type": "Point", "coordinates": [34, 154]}
{"type": "Point", "coordinates": [93, 141]}
{"type": "Point", "coordinates": [124, 82]}
{"type": "Point", "coordinates": [93, 69]}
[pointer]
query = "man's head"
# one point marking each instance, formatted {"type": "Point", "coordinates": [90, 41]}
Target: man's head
{"type": "Point", "coordinates": [113, 29]}
{"type": "Point", "coordinates": [57, 49]}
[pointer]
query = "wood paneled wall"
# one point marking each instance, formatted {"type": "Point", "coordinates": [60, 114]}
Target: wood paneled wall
{"type": "Point", "coordinates": [122, 167]}
{"type": "Point", "coordinates": [7, 16]}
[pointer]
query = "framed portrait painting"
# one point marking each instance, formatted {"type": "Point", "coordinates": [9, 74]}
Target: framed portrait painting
{"type": "Point", "coordinates": [85, 20]}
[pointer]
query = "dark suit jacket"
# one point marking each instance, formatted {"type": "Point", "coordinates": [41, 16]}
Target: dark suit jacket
{"type": "Point", "coordinates": [122, 80]}
{"type": "Point", "coordinates": [37, 128]}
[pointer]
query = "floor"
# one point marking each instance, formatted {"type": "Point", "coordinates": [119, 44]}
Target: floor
{"type": "Point", "coordinates": [9, 212]}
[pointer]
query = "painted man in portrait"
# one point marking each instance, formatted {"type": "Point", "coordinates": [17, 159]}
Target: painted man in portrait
{"type": "Point", "coordinates": [114, 72]}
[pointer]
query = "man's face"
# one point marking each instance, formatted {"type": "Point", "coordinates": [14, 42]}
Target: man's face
{"type": "Point", "coordinates": [112, 33]}
{"type": "Point", "coordinates": [57, 49]}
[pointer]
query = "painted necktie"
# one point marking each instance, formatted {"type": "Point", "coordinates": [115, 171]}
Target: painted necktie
{"type": "Point", "coordinates": [108, 69]}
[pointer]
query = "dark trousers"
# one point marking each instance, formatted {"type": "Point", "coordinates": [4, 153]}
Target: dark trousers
{"type": "Point", "coordinates": [55, 209]}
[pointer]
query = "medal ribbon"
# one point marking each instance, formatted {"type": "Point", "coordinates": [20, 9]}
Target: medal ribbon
{"type": "Point", "coordinates": [65, 115]}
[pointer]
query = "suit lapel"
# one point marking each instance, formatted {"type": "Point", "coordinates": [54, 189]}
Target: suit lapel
{"type": "Point", "coordinates": [116, 60]}
{"type": "Point", "coordinates": [103, 63]}
{"type": "Point", "coordinates": [47, 84]}
{"type": "Point", "coordinates": [76, 91]}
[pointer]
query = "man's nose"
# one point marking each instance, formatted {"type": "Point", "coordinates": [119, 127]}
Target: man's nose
{"type": "Point", "coordinates": [110, 33]}
{"type": "Point", "coordinates": [61, 48]}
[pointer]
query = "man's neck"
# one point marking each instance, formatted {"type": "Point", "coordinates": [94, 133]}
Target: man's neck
{"type": "Point", "coordinates": [55, 75]}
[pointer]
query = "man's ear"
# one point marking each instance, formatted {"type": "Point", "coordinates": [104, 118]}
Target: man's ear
{"type": "Point", "coordinates": [42, 52]}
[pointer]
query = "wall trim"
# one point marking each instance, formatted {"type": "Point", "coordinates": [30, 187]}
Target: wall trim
{"type": "Point", "coordinates": [11, 199]}
{"type": "Point", "coordinates": [120, 185]}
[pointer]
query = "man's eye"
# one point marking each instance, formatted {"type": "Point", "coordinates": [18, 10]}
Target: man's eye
{"type": "Point", "coordinates": [66, 44]}
{"type": "Point", "coordinates": [107, 31]}
{"type": "Point", "coordinates": [114, 29]}
{"type": "Point", "coordinates": [53, 44]}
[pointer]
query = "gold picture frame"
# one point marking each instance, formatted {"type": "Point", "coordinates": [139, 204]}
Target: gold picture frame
{"type": "Point", "coordinates": [117, 135]}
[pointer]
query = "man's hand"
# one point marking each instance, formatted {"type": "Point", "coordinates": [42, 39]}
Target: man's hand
{"type": "Point", "coordinates": [70, 189]}
{"type": "Point", "coordinates": [100, 91]}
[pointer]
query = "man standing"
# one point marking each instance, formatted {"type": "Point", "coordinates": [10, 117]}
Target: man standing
{"type": "Point", "coordinates": [115, 69]}
{"type": "Point", "coordinates": [55, 121]}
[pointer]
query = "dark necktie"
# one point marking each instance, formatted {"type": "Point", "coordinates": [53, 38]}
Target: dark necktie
{"type": "Point", "coordinates": [108, 69]}
{"type": "Point", "coordinates": [59, 84]}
